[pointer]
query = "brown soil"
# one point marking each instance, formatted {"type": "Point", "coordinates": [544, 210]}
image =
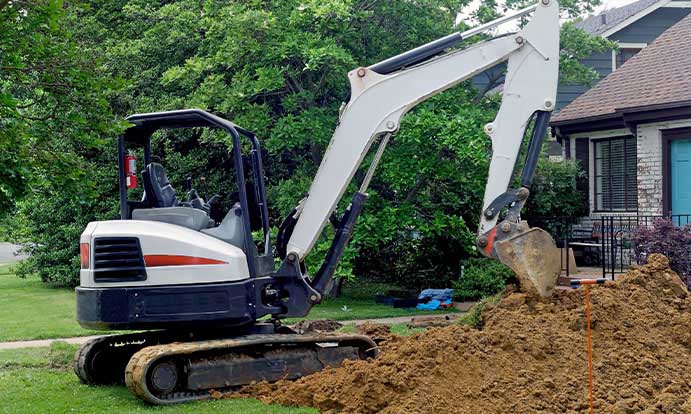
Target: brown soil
{"type": "Point", "coordinates": [319, 325]}
{"type": "Point", "coordinates": [375, 331]}
{"type": "Point", "coordinates": [530, 357]}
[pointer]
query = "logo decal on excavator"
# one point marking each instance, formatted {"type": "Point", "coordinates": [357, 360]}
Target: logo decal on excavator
{"type": "Point", "coordinates": [490, 241]}
{"type": "Point", "coordinates": [157, 260]}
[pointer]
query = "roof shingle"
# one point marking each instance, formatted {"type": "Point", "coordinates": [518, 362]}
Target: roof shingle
{"type": "Point", "coordinates": [659, 74]}
{"type": "Point", "coordinates": [596, 25]}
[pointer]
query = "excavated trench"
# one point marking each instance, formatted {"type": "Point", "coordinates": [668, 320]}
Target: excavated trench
{"type": "Point", "coordinates": [529, 357]}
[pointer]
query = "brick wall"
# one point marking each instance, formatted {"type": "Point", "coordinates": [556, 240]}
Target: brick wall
{"type": "Point", "coordinates": [649, 171]}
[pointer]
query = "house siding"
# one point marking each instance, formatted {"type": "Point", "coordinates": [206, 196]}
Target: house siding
{"type": "Point", "coordinates": [601, 62]}
{"type": "Point", "coordinates": [649, 171]}
{"type": "Point", "coordinates": [651, 26]}
{"type": "Point", "coordinates": [481, 80]}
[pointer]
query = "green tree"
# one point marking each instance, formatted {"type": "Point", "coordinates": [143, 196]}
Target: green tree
{"type": "Point", "coordinates": [54, 120]}
{"type": "Point", "coordinates": [555, 202]}
{"type": "Point", "coordinates": [277, 67]}
{"type": "Point", "coordinates": [52, 98]}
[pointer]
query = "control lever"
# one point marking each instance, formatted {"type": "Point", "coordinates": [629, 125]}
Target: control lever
{"type": "Point", "coordinates": [193, 199]}
{"type": "Point", "coordinates": [211, 209]}
{"type": "Point", "coordinates": [204, 187]}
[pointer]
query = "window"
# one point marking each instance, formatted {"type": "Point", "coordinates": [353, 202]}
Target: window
{"type": "Point", "coordinates": [625, 52]}
{"type": "Point", "coordinates": [615, 174]}
{"type": "Point", "coordinates": [624, 55]}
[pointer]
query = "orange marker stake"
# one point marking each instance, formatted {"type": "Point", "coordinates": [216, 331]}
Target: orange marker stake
{"type": "Point", "coordinates": [590, 345]}
{"type": "Point", "coordinates": [575, 284]}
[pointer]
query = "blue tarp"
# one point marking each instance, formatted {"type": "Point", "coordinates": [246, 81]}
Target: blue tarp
{"type": "Point", "coordinates": [434, 298]}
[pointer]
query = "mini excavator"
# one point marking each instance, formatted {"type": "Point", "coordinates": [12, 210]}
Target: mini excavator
{"type": "Point", "coordinates": [207, 300]}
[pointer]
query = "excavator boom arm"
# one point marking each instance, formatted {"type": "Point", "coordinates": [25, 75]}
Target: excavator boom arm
{"type": "Point", "coordinates": [383, 93]}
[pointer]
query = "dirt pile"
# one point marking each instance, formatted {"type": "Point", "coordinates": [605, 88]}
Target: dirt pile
{"type": "Point", "coordinates": [530, 357]}
{"type": "Point", "coordinates": [377, 332]}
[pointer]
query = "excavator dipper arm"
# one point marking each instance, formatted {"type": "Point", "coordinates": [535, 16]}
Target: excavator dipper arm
{"type": "Point", "coordinates": [383, 93]}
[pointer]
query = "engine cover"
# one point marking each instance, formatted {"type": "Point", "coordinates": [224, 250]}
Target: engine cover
{"type": "Point", "coordinates": [149, 253]}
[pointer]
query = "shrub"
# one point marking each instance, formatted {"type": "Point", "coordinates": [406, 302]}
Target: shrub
{"type": "Point", "coordinates": [49, 221]}
{"type": "Point", "coordinates": [50, 226]}
{"type": "Point", "coordinates": [555, 200]}
{"type": "Point", "coordinates": [474, 316]}
{"type": "Point", "coordinates": [666, 238]}
{"type": "Point", "coordinates": [482, 277]}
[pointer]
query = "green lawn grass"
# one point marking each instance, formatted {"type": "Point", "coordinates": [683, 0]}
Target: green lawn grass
{"type": "Point", "coordinates": [31, 310]}
{"type": "Point", "coordinates": [40, 380]}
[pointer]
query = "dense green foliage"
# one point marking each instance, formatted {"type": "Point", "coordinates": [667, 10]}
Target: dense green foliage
{"type": "Point", "coordinates": [482, 277]}
{"type": "Point", "coordinates": [53, 98]}
{"type": "Point", "coordinates": [277, 67]}
{"type": "Point", "coordinates": [555, 201]}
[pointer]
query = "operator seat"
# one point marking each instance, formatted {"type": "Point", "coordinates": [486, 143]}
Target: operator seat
{"type": "Point", "coordinates": [159, 192]}
{"type": "Point", "coordinates": [165, 207]}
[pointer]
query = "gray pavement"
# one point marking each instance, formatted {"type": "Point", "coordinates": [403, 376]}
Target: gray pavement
{"type": "Point", "coordinates": [7, 253]}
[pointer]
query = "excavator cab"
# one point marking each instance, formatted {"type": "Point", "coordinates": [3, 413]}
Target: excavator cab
{"type": "Point", "coordinates": [161, 202]}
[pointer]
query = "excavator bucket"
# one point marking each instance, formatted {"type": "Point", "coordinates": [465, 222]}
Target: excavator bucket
{"type": "Point", "coordinates": [535, 259]}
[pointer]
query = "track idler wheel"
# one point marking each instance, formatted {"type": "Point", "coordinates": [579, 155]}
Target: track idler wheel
{"type": "Point", "coordinates": [164, 377]}
{"type": "Point", "coordinates": [102, 360]}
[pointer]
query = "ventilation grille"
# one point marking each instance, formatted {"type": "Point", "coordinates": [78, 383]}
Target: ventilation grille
{"type": "Point", "coordinates": [118, 259]}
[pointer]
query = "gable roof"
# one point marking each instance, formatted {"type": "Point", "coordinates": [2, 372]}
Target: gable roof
{"type": "Point", "coordinates": [658, 75]}
{"type": "Point", "coordinates": [603, 22]}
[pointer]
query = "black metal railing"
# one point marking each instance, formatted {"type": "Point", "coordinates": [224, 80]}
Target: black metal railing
{"type": "Point", "coordinates": [608, 239]}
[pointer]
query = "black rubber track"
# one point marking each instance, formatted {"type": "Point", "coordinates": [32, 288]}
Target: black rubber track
{"type": "Point", "coordinates": [102, 361]}
{"type": "Point", "coordinates": [138, 371]}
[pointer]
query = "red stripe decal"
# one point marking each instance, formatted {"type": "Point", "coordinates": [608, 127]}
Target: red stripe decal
{"type": "Point", "coordinates": [155, 260]}
{"type": "Point", "coordinates": [490, 240]}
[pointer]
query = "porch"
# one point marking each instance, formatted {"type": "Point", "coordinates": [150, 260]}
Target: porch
{"type": "Point", "coordinates": [602, 247]}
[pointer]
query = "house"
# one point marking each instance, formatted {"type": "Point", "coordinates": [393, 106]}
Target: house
{"type": "Point", "coordinates": [632, 27]}
{"type": "Point", "coordinates": [631, 133]}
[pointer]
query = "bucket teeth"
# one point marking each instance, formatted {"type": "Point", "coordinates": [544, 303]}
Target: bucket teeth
{"type": "Point", "coordinates": [535, 259]}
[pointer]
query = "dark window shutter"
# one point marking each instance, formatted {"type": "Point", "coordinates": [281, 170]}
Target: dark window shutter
{"type": "Point", "coordinates": [567, 148]}
{"type": "Point", "coordinates": [583, 158]}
